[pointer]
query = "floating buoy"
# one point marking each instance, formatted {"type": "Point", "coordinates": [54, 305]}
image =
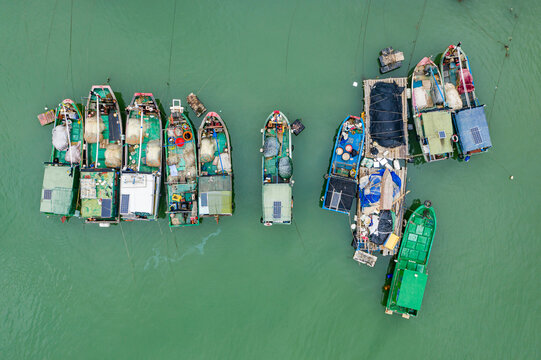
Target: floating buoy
{"type": "Point", "coordinates": [511, 177]}
{"type": "Point", "coordinates": [339, 151]}
{"type": "Point", "coordinates": [179, 142]}
{"type": "Point", "coordinates": [349, 147]}
{"type": "Point", "coordinates": [187, 135]}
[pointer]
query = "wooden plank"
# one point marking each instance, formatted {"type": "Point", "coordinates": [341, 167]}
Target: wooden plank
{"type": "Point", "coordinates": [386, 197]}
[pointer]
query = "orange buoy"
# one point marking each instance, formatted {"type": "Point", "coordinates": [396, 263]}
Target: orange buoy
{"type": "Point", "coordinates": [179, 142]}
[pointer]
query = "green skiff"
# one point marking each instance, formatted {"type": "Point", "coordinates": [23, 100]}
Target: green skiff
{"type": "Point", "coordinates": [410, 274]}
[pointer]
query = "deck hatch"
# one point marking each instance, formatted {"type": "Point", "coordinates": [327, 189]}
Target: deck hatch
{"type": "Point", "coordinates": [277, 210]}
{"type": "Point", "coordinates": [106, 208]}
{"type": "Point", "coordinates": [335, 200]}
{"type": "Point", "coordinates": [476, 134]}
{"type": "Point", "coordinates": [124, 204]}
{"type": "Point", "coordinates": [47, 194]}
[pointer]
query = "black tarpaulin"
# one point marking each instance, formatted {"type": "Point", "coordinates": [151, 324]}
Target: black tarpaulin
{"type": "Point", "coordinates": [386, 125]}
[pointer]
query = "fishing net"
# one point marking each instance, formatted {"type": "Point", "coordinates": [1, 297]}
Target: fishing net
{"type": "Point", "coordinates": [384, 227]}
{"type": "Point", "coordinates": [153, 153]}
{"type": "Point", "coordinates": [113, 155]}
{"type": "Point", "coordinates": [189, 157]}
{"type": "Point", "coordinates": [92, 133]}
{"type": "Point", "coordinates": [73, 154]}
{"type": "Point", "coordinates": [271, 146]}
{"type": "Point", "coordinates": [208, 148]}
{"type": "Point", "coordinates": [453, 98]}
{"type": "Point", "coordinates": [223, 160]}
{"type": "Point", "coordinates": [285, 167]}
{"type": "Point", "coordinates": [133, 131]}
{"type": "Point", "coordinates": [386, 124]}
{"type": "Point", "coordinates": [60, 137]}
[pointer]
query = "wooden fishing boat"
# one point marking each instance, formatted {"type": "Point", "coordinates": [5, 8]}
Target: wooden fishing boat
{"type": "Point", "coordinates": [215, 182]}
{"type": "Point", "coordinates": [102, 161]}
{"type": "Point", "coordinates": [277, 170]}
{"type": "Point", "coordinates": [341, 187]}
{"type": "Point", "coordinates": [410, 273]}
{"type": "Point", "coordinates": [432, 119]}
{"type": "Point", "coordinates": [180, 168]}
{"type": "Point", "coordinates": [469, 118]}
{"type": "Point", "coordinates": [60, 191]}
{"type": "Point", "coordinates": [140, 179]}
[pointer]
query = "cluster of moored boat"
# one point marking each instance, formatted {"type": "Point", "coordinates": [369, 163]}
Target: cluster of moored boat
{"type": "Point", "coordinates": [104, 174]}
{"type": "Point", "coordinates": [369, 165]}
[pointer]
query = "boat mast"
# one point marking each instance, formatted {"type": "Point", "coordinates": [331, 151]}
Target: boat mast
{"type": "Point", "coordinates": [462, 76]}
{"type": "Point", "coordinates": [98, 118]}
{"type": "Point", "coordinates": [140, 137]}
{"type": "Point", "coordinates": [68, 132]}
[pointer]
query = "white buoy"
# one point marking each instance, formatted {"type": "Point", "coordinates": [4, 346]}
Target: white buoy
{"type": "Point", "coordinates": [355, 83]}
{"type": "Point", "coordinates": [511, 177]}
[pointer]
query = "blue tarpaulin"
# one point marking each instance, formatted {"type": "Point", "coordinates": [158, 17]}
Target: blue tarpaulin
{"type": "Point", "coordinates": [472, 127]}
{"type": "Point", "coordinates": [374, 187]}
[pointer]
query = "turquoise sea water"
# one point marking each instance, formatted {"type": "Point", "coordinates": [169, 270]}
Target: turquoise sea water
{"type": "Point", "coordinates": [237, 290]}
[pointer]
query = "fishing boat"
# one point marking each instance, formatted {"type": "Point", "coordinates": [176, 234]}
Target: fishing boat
{"type": "Point", "coordinates": [60, 191]}
{"type": "Point", "coordinates": [277, 170]}
{"type": "Point", "coordinates": [102, 161]}
{"type": "Point", "coordinates": [181, 168]}
{"type": "Point", "coordinates": [431, 115]}
{"type": "Point", "coordinates": [469, 118]}
{"type": "Point", "coordinates": [410, 273]}
{"type": "Point", "coordinates": [341, 187]}
{"type": "Point", "coordinates": [215, 182]}
{"type": "Point", "coordinates": [140, 179]}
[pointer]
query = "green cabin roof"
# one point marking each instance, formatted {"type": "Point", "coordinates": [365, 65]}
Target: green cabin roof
{"type": "Point", "coordinates": [277, 202]}
{"type": "Point", "coordinates": [434, 124]}
{"type": "Point", "coordinates": [59, 189]}
{"type": "Point", "coordinates": [412, 289]}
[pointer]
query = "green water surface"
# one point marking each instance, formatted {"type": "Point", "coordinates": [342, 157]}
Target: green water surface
{"type": "Point", "coordinates": [238, 290]}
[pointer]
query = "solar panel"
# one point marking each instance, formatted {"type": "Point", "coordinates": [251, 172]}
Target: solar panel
{"type": "Point", "coordinates": [124, 204]}
{"type": "Point", "coordinates": [441, 134]}
{"type": "Point", "coordinates": [277, 210]}
{"type": "Point", "coordinates": [204, 199]}
{"type": "Point", "coordinates": [106, 208]}
{"type": "Point", "coordinates": [47, 194]}
{"type": "Point", "coordinates": [476, 134]}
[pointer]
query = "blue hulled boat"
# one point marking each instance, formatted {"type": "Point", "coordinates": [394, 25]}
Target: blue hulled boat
{"type": "Point", "coordinates": [341, 187]}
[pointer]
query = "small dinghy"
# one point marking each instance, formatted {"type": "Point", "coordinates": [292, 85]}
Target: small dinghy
{"type": "Point", "coordinates": [215, 170]}
{"type": "Point", "coordinates": [432, 119]}
{"type": "Point", "coordinates": [140, 179]}
{"type": "Point", "coordinates": [341, 187]}
{"type": "Point", "coordinates": [277, 170]}
{"type": "Point", "coordinates": [102, 161]}
{"type": "Point", "coordinates": [410, 274]}
{"type": "Point", "coordinates": [180, 168]}
{"type": "Point", "coordinates": [60, 192]}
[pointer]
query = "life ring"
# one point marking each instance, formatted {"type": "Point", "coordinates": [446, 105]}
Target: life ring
{"type": "Point", "coordinates": [454, 138]}
{"type": "Point", "coordinates": [187, 135]}
{"type": "Point", "coordinates": [185, 127]}
{"type": "Point", "coordinates": [178, 131]}
{"type": "Point", "coordinates": [352, 173]}
{"type": "Point", "coordinates": [171, 140]}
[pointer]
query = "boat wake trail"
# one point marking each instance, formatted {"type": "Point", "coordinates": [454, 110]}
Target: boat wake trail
{"type": "Point", "coordinates": [157, 259]}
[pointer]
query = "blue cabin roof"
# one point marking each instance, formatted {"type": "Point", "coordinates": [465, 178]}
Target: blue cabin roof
{"type": "Point", "coordinates": [472, 128]}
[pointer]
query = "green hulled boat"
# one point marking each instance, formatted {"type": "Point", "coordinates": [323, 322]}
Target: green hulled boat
{"type": "Point", "coordinates": [102, 161]}
{"type": "Point", "coordinates": [60, 192]}
{"type": "Point", "coordinates": [140, 179]}
{"type": "Point", "coordinates": [215, 171]}
{"type": "Point", "coordinates": [410, 274]}
{"type": "Point", "coordinates": [181, 168]}
{"type": "Point", "coordinates": [277, 170]}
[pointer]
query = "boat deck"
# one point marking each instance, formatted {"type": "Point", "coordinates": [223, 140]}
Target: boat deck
{"type": "Point", "coordinates": [398, 208]}
{"type": "Point", "coordinates": [399, 152]}
{"type": "Point", "coordinates": [270, 164]}
{"type": "Point", "coordinates": [76, 132]}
